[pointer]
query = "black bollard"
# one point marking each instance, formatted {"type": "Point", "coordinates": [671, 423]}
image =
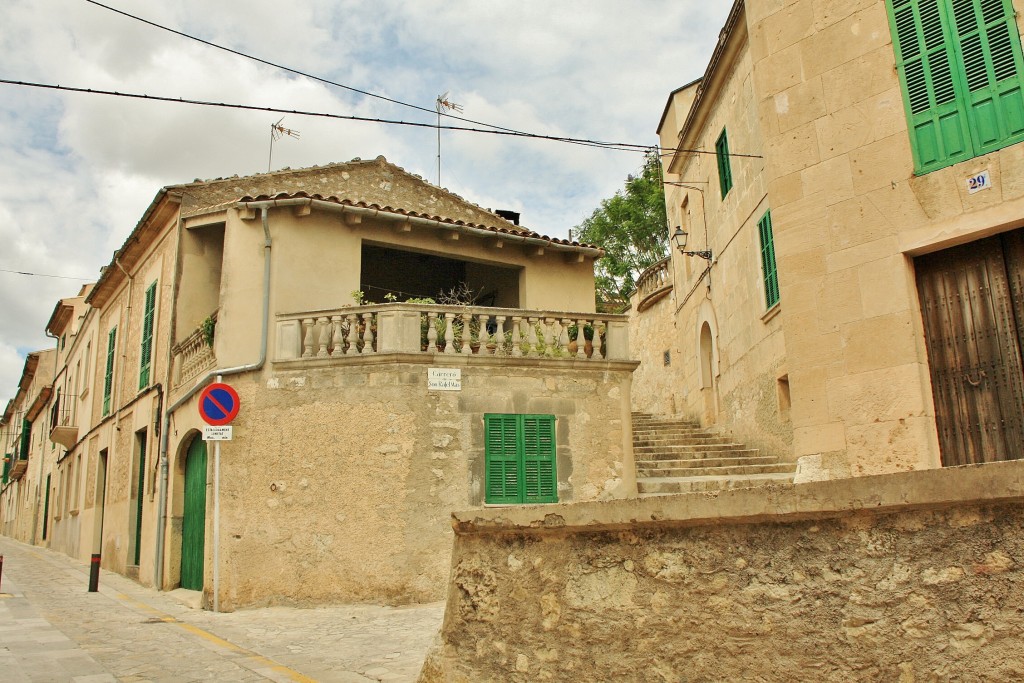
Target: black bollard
{"type": "Point", "coordinates": [1, 568]}
{"type": "Point", "coordinates": [94, 573]}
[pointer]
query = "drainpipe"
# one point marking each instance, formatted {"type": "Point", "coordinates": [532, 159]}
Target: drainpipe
{"type": "Point", "coordinates": [162, 514]}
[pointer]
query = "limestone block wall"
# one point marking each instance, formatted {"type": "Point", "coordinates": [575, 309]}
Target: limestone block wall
{"type": "Point", "coordinates": [913, 576]}
{"type": "Point", "coordinates": [658, 387]}
{"type": "Point", "coordinates": [341, 477]}
{"type": "Point", "coordinates": [850, 215]}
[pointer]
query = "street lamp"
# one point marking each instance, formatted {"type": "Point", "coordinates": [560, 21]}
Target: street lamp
{"type": "Point", "coordinates": [679, 238]}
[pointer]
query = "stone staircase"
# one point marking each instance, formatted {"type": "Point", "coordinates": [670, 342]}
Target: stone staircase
{"type": "Point", "coordinates": [674, 456]}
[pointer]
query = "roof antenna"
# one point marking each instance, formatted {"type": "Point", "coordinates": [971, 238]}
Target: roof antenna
{"type": "Point", "coordinates": [276, 131]}
{"type": "Point", "coordinates": [443, 107]}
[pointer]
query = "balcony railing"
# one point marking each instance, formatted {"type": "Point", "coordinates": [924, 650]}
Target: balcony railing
{"type": "Point", "coordinates": [451, 330]}
{"type": "Point", "coordinates": [63, 425]}
{"type": "Point", "coordinates": [654, 283]}
{"type": "Point", "coordinates": [194, 355]}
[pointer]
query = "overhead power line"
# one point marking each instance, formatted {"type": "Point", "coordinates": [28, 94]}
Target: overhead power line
{"type": "Point", "coordinates": [60, 277]}
{"type": "Point", "coordinates": [620, 146]}
{"type": "Point", "coordinates": [326, 81]}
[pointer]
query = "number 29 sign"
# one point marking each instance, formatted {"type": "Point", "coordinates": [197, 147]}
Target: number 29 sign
{"type": "Point", "coordinates": [979, 182]}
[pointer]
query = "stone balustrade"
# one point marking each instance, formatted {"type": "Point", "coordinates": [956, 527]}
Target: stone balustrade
{"type": "Point", "coordinates": [193, 356]}
{"type": "Point", "coordinates": [462, 330]}
{"type": "Point", "coordinates": [654, 283]}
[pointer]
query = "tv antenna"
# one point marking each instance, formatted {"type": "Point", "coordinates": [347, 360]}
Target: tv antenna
{"type": "Point", "coordinates": [443, 107]}
{"type": "Point", "coordinates": [276, 132]}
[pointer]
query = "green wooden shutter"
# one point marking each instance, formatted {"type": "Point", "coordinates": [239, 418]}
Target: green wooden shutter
{"type": "Point", "coordinates": [8, 458]}
{"type": "Point", "coordinates": [146, 353]}
{"type": "Point", "coordinates": [538, 440]}
{"type": "Point", "coordinates": [108, 380]}
{"type": "Point", "coordinates": [193, 523]}
{"type": "Point", "coordinates": [768, 268]}
{"type": "Point", "coordinates": [724, 168]}
{"type": "Point", "coordinates": [26, 438]}
{"type": "Point", "coordinates": [501, 459]}
{"type": "Point", "coordinates": [139, 492]}
{"type": "Point", "coordinates": [989, 46]}
{"type": "Point", "coordinates": [959, 63]}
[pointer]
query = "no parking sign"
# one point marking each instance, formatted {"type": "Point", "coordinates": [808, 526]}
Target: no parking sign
{"type": "Point", "coordinates": [218, 404]}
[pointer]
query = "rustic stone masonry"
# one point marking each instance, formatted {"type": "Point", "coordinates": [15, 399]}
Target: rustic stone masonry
{"type": "Point", "coordinates": [675, 456]}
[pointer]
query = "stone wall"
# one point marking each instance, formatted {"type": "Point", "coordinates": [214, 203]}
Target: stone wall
{"type": "Point", "coordinates": [903, 577]}
{"type": "Point", "coordinates": [340, 480]}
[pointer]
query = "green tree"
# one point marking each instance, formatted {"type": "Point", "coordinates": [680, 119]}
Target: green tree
{"type": "Point", "coordinates": [632, 229]}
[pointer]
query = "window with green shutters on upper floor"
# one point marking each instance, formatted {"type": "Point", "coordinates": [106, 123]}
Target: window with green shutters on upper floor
{"type": "Point", "coordinates": [768, 268]}
{"type": "Point", "coordinates": [960, 68]}
{"type": "Point", "coordinates": [146, 352]}
{"type": "Point", "coordinates": [724, 168]}
{"type": "Point", "coordinates": [108, 378]}
{"type": "Point", "coordinates": [519, 459]}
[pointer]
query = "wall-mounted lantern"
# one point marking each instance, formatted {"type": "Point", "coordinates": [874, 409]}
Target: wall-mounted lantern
{"type": "Point", "coordinates": [679, 238]}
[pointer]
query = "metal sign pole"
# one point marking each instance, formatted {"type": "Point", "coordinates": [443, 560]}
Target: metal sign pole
{"type": "Point", "coordinates": [216, 522]}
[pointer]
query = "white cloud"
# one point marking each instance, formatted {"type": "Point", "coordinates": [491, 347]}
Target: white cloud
{"type": "Point", "coordinates": [78, 170]}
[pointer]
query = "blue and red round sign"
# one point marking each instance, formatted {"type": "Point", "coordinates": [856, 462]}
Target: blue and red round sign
{"type": "Point", "coordinates": [218, 404]}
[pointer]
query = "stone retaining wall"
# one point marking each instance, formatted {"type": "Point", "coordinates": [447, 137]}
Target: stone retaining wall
{"type": "Point", "coordinates": [907, 577]}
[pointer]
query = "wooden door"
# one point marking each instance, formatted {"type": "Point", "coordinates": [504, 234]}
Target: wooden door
{"type": "Point", "coordinates": [193, 525]}
{"type": "Point", "coordinates": [970, 299]}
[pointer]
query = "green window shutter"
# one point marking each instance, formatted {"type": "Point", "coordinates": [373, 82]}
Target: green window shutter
{"type": "Point", "coordinates": [26, 438]}
{"type": "Point", "coordinates": [501, 459]}
{"type": "Point", "coordinates": [538, 439]}
{"type": "Point", "coordinates": [108, 380]}
{"type": "Point", "coordinates": [146, 352]}
{"type": "Point", "coordinates": [520, 459]}
{"type": "Point", "coordinates": [990, 53]}
{"type": "Point", "coordinates": [724, 169]}
{"type": "Point", "coordinates": [7, 466]}
{"type": "Point", "coordinates": [959, 64]}
{"type": "Point", "coordinates": [768, 268]}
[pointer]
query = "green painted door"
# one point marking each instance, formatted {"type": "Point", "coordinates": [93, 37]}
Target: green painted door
{"type": "Point", "coordinates": [193, 526]}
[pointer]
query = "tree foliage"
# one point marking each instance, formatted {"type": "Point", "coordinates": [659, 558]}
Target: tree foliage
{"type": "Point", "coordinates": [632, 229]}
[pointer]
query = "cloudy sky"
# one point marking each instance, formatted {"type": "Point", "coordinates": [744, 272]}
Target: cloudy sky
{"type": "Point", "coordinates": [78, 170]}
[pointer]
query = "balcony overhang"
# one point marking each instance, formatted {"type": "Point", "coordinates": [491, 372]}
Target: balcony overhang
{"type": "Point", "coordinates": [65, 435]}
{"type": "Point", "coordinates": [18, 469]}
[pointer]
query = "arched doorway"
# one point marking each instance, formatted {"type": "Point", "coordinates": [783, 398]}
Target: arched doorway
{"type": "Point", "coordinates": [193, 523]}
{"type": "Point", "coordinates": [706, 356]}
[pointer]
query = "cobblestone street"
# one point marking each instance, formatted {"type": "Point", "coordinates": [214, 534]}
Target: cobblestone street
{"type": "Point", "coordinates": [52, 629]}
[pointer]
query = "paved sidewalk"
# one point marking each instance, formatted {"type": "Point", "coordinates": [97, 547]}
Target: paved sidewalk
{"type": "Point", "coordinates": [52, 630]}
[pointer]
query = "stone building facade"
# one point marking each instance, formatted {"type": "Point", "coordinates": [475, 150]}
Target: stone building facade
{"type": "Point", "coordinates": [861, 203]}
{"type": "Point", "coordinates": [367, 410]}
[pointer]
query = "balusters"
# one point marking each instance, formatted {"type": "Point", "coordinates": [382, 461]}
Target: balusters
{"type": "Point", "coordinates": [597, 340]}
{"type": "Point", "coordinates": [531, 337]}
{"type": "Point", "coordinates": [517, 341]}
{"type": "Point", "coordinates": [325, 337]}
{"type": "Point", "coordinates": [337, 339]}
{"type": "Point", "coordinates": [307, 338]}
{"type": "Point", "coordinates": [548, 341]}
{"type": "Point", "coordinates": [465, 347]}
{"type": "Point", "coordinates": [367, 333]}
{"type": "Point", "coordinates": [353, 334]}
{"type": "Point", "coordinates": [483, 336]}
{"type": "Point", "coordinates": [432, 332]}
{"type": "Point", "coordinates": [499, 336]}
{"type": "Point", "coordinates": [449, 333]}
{"type": "Point", "coordinates": [563, 336]}
{"type": "Point", "coordinates": [581, 339]}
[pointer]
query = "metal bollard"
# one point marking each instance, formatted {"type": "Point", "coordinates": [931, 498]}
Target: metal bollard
{"type": "Point", "coordinates": [94, 573]}
{"type": "Point", "coordinates": [1, 568]}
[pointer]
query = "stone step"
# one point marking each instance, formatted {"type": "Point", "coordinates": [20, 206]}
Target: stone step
{"type": "Point", "coordinates": [689, 449]}
{"type": "Point", "coordinates": [679, 441]}
{"type": "Point", "coordinates": [683, 463]}
{"type": "Point", "coordinates": [678, 485]}
{"type": "Point", "coordinates": [717, 470]}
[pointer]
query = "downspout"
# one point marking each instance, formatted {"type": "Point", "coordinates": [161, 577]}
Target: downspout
{"type": "Point", "coordinates": [164, 469]}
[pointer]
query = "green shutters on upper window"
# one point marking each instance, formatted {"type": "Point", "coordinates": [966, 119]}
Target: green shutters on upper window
{"type": "Point", "coordinates": [146, 353]}
{"type": "Point", "coordinates": [520, 459]}
{"type": "Point", "coordinates": [724, 169]}
{"type": "Point", "coordinates": [960, 68]}
{"type": "Point", "coordinates": [108, 379]}
{"type": "Point", "coordinates": [26, 438]}
{"type": "Point", "coordinates": [768, 270]}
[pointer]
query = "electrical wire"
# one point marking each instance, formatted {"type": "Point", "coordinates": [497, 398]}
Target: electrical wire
{"type": "Point", "coordinates": [60, 277]}
{"type": "Point", "coordinates": [620, 146]}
